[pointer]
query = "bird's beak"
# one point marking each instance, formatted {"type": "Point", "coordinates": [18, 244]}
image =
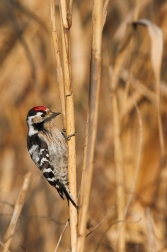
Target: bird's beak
{"type": "Point", "coordinates": [51, 115]}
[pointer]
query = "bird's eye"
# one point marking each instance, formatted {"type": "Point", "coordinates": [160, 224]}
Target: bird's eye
{"type": "Point", "coordinates": [43, 115]}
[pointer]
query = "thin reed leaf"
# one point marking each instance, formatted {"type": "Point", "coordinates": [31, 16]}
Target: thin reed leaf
{"type": "Point", "coordinates": [156, 38]}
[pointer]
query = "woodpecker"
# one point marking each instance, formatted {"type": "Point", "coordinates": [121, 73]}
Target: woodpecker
{"type": "Point", "coordinates": [48, 149]}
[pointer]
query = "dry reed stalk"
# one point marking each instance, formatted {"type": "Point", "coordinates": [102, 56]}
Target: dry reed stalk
{"type": "Point", "coordinates": [59, 71]}
{"type": "Point", "coordinates": [119, 63]}
{"type": "Point", "coordinates": [63, 8]}
{"type": "Point", "coordinates": [118, 156]}
{"type": "Point", "coordinates": [156, 42]}
{"type": "Point", "coordinates": [136, 10]}
{"type": "Point", "coordinates": [65, 31]}
{"type": "Point", "coordinates": [91, 129]}
{"type": "Point", "coordinates": [66, 9]}
{"type": "Point", "coordinates": [120, 242]}
{"type": "Point", "coordinates": [122, 55]}
{"type": "Point", "coordinates": [67, 106]}
{"type": "Point", "coordinates": [70, 124]}
{"type": "Point", "coordinates": [161, 138]}
{"type": "Point", "coordinates": [105, 8]}
{"type": "Point", "coordinates": [124, 50]}
{"type": "Point", "coordinates": [16, 213]}
{"type": "Point", "coordinates": [137, 165]}
{"type": "Point", "coordinates": [3, 247]}
{"type": "Point", "coordinates": [130, 48]}
{"type": "Point", "coordinates": [70, 13]}
{"type": "Point", "coordinates": [130, 60]}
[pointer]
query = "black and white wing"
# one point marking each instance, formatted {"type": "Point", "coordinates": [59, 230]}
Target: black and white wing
{"type": "Point", "coordinates": [39, 153]}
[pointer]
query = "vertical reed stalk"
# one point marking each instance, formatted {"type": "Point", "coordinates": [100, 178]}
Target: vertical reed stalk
{"type": "Point", "coordinates": [59, 71]}
{"type": "Point", "coordinates": [70, 125]}
{"type": "Point", "coordinates": [67, 104]}
{"type": "Point", "coordinates": [95, 78]}
{"type": "Point", "coordinates": [130, 53]}
{"type": "Point", "coordinates": [70, 13]}
{"type": "Point", "coordinates": [160, 129]}
{"type": "Point", "coordinates": [118, 155]}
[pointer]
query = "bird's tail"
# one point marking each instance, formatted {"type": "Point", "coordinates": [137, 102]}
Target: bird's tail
{"type": "Point", "coordinates": [63, 190]}
{"type": "Point", "coordinates": [69, 197]}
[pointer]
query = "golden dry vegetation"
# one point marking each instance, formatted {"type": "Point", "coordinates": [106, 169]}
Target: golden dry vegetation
{"type": "Point", "coordinates": [130, 170]}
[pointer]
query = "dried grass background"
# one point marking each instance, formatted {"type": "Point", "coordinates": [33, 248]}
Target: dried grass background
{"type": "Point", "coordinates": [27, 79]}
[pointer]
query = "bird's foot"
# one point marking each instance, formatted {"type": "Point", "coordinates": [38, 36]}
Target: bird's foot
{"type": "Point", "coordinates": [65, 136]}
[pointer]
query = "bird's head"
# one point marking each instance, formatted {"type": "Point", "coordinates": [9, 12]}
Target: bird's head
{"type": "Point", "coordinates": [38, 115]}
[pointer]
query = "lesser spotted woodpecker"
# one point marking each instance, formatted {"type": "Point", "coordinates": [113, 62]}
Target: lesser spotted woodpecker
{"type": "Point", "coordinates": [48, 149]}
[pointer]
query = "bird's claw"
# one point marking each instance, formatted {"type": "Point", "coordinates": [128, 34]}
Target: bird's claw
{"type": "Point", "coordinates": [69, 136]}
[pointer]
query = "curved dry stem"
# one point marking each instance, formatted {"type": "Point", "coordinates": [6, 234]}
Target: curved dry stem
{"type": "Point", "coordinates": [64, 229]}
{"type": "Point", "coordinates": [16, 213]}
{"type": "Point", "coordinates": [108, 228]}
{"type": "Point", "coordinates": [100, 222]}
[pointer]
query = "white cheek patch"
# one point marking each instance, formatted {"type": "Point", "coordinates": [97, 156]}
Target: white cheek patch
{"type": "Point", "coordinates": [29, 120]}
{"type": "Point", "coordinates": [32, 120]}
{"type": "Point", "coordinates": [32, 131]}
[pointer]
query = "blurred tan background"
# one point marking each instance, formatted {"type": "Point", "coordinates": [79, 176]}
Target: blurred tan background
{"type": "Point", "coordinates": [27, 79]}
